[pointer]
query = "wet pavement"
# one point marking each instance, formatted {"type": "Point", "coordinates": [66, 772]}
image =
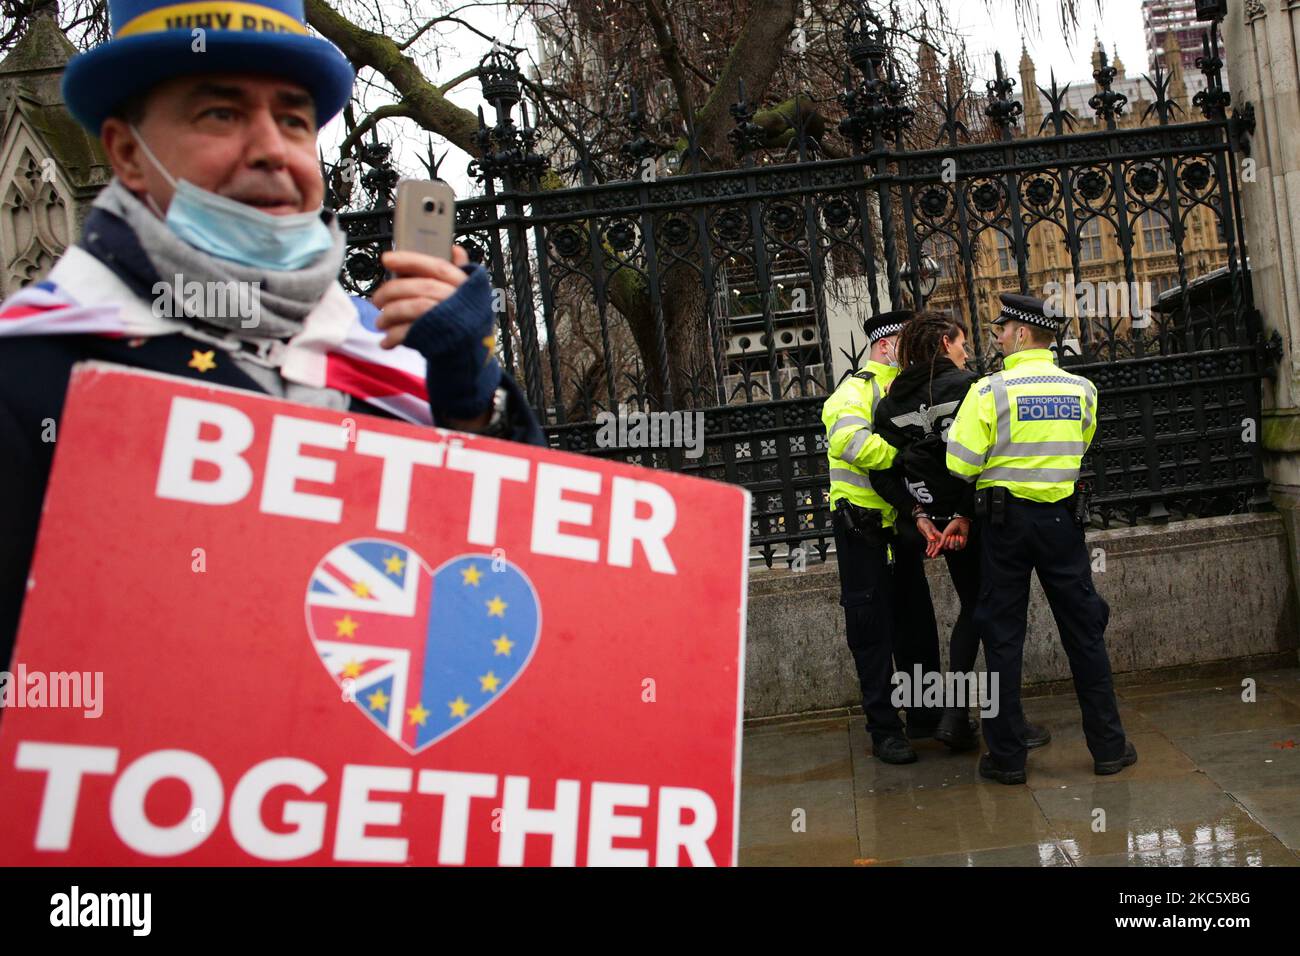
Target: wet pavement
{"type": "Point", "coordinates": [1217, 783]}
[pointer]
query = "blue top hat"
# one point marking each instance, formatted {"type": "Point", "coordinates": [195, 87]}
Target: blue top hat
{"type": "Point", "coordinates": [154, 40]}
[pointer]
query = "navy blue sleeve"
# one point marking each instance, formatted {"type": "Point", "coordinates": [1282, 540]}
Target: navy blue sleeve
{"type": "Point", "coordinates": [457, 339]}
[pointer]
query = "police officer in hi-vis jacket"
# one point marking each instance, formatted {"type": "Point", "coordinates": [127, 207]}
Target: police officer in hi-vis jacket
{"type": "Point", "coordinates": [883, 590]}
{"type": "Point", "coordinates": [1020, 436]}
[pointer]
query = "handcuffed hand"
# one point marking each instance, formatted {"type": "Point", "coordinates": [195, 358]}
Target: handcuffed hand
{"type": "Point", "coordinates": [933, 539]}
{"type": "Point", "coordinates": [956, 534]}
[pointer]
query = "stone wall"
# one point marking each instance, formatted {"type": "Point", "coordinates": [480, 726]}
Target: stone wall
{"type": "Point", "coordinates": [1262, 53]}
{"type": "Point", "coordinates": [1181, 595]}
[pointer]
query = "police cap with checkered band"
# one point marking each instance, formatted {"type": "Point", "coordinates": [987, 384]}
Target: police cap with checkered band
{"type": "Point", "coordinates": [1027, 309]}
{"type": "Point", "coordinates": [886, 324]}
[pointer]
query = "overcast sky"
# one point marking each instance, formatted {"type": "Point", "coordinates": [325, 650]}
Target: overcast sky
{"type": "Point", "coordinates": [986, 25]}
{"type": "Point", "coordinates": [993, 26]}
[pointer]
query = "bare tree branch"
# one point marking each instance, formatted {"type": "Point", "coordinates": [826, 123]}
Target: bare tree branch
{"type": "Point", "coordinates": [669, 52]}
{"type": "Point", "coordinates": [456, 81]}
{"type": "Point", "coordinates": [459, 22]}
{"type": "Point", "coordinates": [424, 102]}
{"type": "Point", "coordinates": [390, 111]}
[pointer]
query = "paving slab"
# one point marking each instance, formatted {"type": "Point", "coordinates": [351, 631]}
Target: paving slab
{"type": "Point", "coordinates": [1145, 815]}
{"type": "Point", "coordinates": [1277, 809]}
{"type": "Point", "coordinates": [796, 798]}
{"type": "Point", "coordinates": [1284, 683]}
{"type": "Point", "coordinates": [1212, 710]}
{"type": "Point", "coordinates": [1248, 759]}
{"type": "Point", "coordinates": [971, 817]}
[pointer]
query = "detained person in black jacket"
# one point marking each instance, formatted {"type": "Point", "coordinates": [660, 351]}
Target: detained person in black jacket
{"type": "Point", "coordinates": [914, 417]}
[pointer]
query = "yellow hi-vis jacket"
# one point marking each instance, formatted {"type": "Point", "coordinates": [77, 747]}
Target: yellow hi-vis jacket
{"type": "Point", "coordinates": [854, 448]}
{"type": "Point", "coordinates": [1024, 428]}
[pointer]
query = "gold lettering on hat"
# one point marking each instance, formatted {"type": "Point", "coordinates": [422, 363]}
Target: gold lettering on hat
{"type": "Point", "coordinates": [230, 15]}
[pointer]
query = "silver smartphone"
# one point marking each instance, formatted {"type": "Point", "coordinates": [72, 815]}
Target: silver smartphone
{"type": "Point", "coordinates": [424, 217]}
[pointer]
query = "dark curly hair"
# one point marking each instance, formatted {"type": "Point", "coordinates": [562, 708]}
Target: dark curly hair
{"type": "Point", "coordinates": [921, 341]}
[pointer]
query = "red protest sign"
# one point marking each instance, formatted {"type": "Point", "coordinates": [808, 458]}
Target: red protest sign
{"type": "Point", "coordinates": [328, 639]}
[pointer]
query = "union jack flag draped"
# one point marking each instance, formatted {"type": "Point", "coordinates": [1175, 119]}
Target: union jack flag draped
{"type": "Point", "coordinates": [338, 347]}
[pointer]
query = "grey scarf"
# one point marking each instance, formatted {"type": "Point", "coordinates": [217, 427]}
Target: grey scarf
{"type": "Point", "coordinates": [280, 300]}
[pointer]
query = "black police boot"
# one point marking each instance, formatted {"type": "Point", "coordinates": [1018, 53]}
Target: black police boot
{"type": "Point", "coordinates": [990, 772]}
{"type": "Point", "coordinates": [957, 730]}
{"type": "Point", "coordinates": [894, 750]}
{"type": "Point", "coordinates": [1106, 767]}
{"type": "Point", "coordinates": [1036, 735]}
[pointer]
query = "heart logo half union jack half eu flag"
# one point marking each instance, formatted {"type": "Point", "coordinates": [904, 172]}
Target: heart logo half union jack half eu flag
{"type": "Point", "coordinates": [421, 652]}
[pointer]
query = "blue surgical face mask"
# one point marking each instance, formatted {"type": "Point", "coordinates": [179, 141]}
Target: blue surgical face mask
{"type": "Point", "coordinates": [233, 230]}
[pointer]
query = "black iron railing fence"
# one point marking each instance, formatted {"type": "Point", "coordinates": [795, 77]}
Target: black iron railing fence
{"type": "Point", "coordinates": [734, 282]}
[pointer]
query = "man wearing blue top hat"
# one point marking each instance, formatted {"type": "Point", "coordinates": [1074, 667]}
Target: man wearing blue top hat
{"type": "Point", "coordinates": [209, 112]}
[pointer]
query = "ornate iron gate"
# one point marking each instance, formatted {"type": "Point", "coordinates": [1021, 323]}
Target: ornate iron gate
{"type": "Point", "coordinates": [1179, 389]}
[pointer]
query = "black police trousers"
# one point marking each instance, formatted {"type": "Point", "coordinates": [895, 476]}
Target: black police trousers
{"type": "Point", "coordinates": [1043, 538]}
{"type": "Point", "coordinates": [888, 616]}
